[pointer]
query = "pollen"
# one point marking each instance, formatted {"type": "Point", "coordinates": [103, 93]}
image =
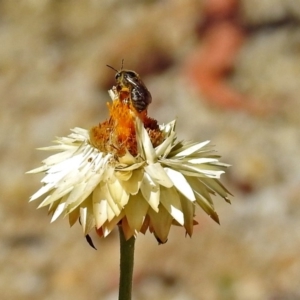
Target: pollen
{"type": "Point", "coordinates": [118, 134]}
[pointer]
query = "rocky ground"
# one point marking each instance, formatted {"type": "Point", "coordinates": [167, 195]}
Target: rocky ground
{"type": "Point", "coordinates": [53, 77]}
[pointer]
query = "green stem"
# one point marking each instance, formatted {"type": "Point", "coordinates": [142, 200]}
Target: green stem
{"type": "Point", "coordinates": [126, 266]}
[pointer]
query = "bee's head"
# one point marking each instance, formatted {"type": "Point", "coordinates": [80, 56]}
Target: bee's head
{"type": "Point", "coordinates": [126, 78]}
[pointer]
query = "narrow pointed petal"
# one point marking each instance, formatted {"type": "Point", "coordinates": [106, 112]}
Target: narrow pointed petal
{"type": "Point", "coordinates": [86, 217]}
{"type": "Point", "coordinates": [100, 211]}
{"type": "Point", "coordinates": [188, 209]}
{"type": "Point", "coordinates": [76, 196]}
{"type": "Point", "coordinates": [132, 185]}
{"type": "Point", "coordinates": [117, 193]}
{"type": "Point", "coordinates": [43, 190]}
{"type": "Point", "coordinates": [200, 188]}
{"type": "Point", "coordinates": [202, 160]}
{"type": "Point", "coordinates": [123, 175]}
{"type": "Point", "coordinates": [146, 144]}
{"type": "Point", "coordinates": [145, 225]}
{"type": "Point", "coordinates": [158, 174]}
{"type": "Point", "coordinates": [74, 216]}
{"type": "Point", "coordinates": [181, 183]}
{"type": "Point", "coordinates": [101, 192]}
{"type": "Point", "coordinates": [161, 223]}
{"type": "Point", "coordinates": [38, 170]}
{"type": "Point", "coordinates": [59, 157]}
{"type": "Point", "coordinates": [127, 159]}
{"type": "Point", "coordinates": [135, 211]}
{"type": "Point", "coordinates": [108, 227]}
{"type": "Point", "coordinates": [59, 210]}
{"type": "Point", "coordinates": [67, 165]}
{"type": "Point", "coordinates": [150, 191]}
{"type": "Point", "coordinates": [191, 149]}
{"type": "Point", "coordinates": [56, 195]}
{"type": "Point", "coordinates": [53, 206]}
{"type": "Point", "coordinates": [216, 186]}
{"type": "Point", "coordinates": [127, 230]}
{"type": "Point", "coordinates": [170, 200]}
{"type": "Point", "coordinates": [164, 148]}
{"type": "Point", "coordinates": [207, 207]}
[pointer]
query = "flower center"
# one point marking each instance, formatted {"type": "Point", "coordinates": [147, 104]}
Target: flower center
{"type": "Point", "coordinates": [118, 135]}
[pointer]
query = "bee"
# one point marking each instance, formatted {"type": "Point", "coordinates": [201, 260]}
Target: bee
{"type": "Point", "coordinates": [129, 80]}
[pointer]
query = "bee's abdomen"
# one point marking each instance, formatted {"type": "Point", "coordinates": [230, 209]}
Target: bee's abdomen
{"type": "Point", "coordinates": [140, 98]}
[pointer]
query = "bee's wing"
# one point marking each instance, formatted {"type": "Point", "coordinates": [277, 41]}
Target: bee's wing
{"type": "Point", "coordinates": [135, 82]}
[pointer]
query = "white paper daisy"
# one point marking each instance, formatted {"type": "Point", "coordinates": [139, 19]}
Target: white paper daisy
{"type": "Point", "coordinates": [130, 171]}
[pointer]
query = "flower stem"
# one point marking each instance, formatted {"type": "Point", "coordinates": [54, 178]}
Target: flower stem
{"type": "Point", "coordinates": [126, 265]}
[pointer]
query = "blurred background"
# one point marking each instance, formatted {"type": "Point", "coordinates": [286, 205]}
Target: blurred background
{"type": "Point", "coordinates": [228, 70]}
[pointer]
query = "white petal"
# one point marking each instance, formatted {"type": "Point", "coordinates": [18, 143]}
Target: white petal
{"type": "Point", "coordinates": [171, 201]}
{"type": "Point", "coordinates": [60, 208]}
{"type": "Point", "coordinates": [86, 217]}
{"type": "Point", "coordinates": [132, 167]}
{"type": "Point", "coordinates": [216, 186]}
{"type": "Point", "coordinates": [127, 230]}
{"type": "Point", "coordinates": [75, 197]}
{"type": "Point", "coordinates": [109, 226]}
{"type": "Point", "coordinates": [38, 170]}
{"type": "Point", "coordinates": [181, 184]}
{"type": "Point", "coordinates": [113, 95]}
{"type": "Point", "coordinates": [150, 191]}
{"type": "Point", "coordinates": [205, 169]}
{"type": "Point", "coordinates": [74, 216]}
{"type": "Point", "coordinates": [43, 190]}
{"type": "Point", "coordinates": [127, 159]}
{"type": "Point", "coordinates": [202, 160]}
{"type": "Point", "coordinates": [118, 194]}
{"type": "Point", "coordinates": [81, 192]}
{"type": "Point", "coordinates": [54, 177]}
{"type": "Point", "coordinates": [56, 195]}
{"type": "Point", "coordinates": [207, 206]}
{"type": "Point", "coordinates": [188, 209]}
{"type": "Point", "coordinates": [168, 128]}
{"type": "Point", "coordinates": [203, 198]}
{"type": "Point", "coordinates": [60, 147]}
{"type": "Point", "coordinates": [135, 211]}
{"type": "Point", "coordinates": [53, 206]}
{"type": "Point", "coordinates": [123, 176]}
{"type": "Point", "coordinates": [69, 182]}
{"type": "Point", "coordinates": [59, 157]}
{"type": "Point", "coordinates": [111, 214]}
{"type": "Point", "coordinates": [158, 174]}
{"type": "Point", "coordinates": [100, 211]}
{"type": "Point", "coordinates": [101, 193]}
{"type": "Point", "coordinates": [165, 147]}
{"type": "Point", "coordinates": [79, 133]}
{"type": "Point", "coordinates": [132, 185]}
{"type": "Point", "coordinates": [161, 223]}
{"type": "Point", "coordinates": [200, 170]}
{"type": "Point", "coordinates": [145, 142]}
{"type": "Point", "coordinates": [200, 188]}
{"type": "Point", "coordinates": [191, 149]}
{"type": "Point", "coordinates": [66, 165]}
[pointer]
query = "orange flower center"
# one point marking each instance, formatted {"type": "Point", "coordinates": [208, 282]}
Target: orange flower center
{"type": "Point", "coordinates": [118, 135]}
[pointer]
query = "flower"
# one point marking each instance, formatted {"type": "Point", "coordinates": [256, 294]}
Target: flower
{"type": "Point", "coordinates": [130, 171]}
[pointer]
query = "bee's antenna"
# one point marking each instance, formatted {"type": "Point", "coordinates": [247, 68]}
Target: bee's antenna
{"type": "Point", "coordinates": [112, 68]}
{"type": "Point", "coordinates": [122, 64]}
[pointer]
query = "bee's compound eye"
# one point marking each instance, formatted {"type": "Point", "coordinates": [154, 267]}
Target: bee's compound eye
{"type": "Point", "coordinates": [118, 75]}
